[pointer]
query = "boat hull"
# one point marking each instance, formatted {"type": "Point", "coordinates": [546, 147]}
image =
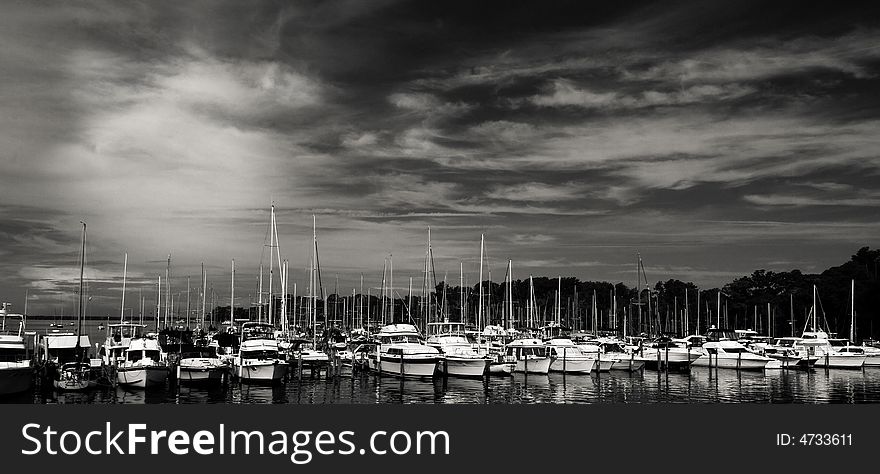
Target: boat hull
{"type": "Point", "coordinates": [533, 366]}
{"type": "Point", "coordinates": [733, 362]}
{"type": "Point", "coordinates": [141, 377]}
{"type": "Point", "coordinates": [872, 360]}
{"type": "Point", "coordinates": [501, 368]}
{"type": "Point", "coordinates": [628, 363]}
{"type": "Point", "coordinates": [201, 376]}
{"type": "Point", "coordinates": [840, 361]}
{"type": "Point", "coordinates": [678, 359]}
{"type": "Point", "coordinates": [15, 380]}
{"type": "Point", "coordinates": [464, 367]}
{"type": "Point", "coordinates": [572, 366]}
{"type": "Point", "coordinates": [265, 372]}
{"type": "Point", "coordinates": [408, 367]}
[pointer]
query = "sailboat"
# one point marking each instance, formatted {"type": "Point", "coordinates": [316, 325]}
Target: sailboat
{"type": "Point", "coordinates": [872, 354]}
{"type": "Point", "coordinates": [68, 350]}
{"type": "Point", "coordinates": [143, 363]}
{"type": "Point", "coordinates": [530, 354]}
{"type": "Point", "coordinates": [816, 343]}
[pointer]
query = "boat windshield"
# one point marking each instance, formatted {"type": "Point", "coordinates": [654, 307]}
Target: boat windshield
{"type": "Point", "coordinates": [735, 350]}
{"type": "Point", "coordinates": [258, 332]}
{"type": "Point", "coordinates": [785, 342]}
{"type": "Point", "coordinates": [400, 339]}
{"type": "Point", "coordinates": [199, 352]}
{"type": "Point", "coordinates": [134, 356]}
{"type": "Point", "coordinates": [259, 354]}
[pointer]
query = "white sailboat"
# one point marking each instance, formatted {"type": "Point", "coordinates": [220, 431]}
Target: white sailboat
{"type": "Point", "coordinates": [73, 371]}
{"type": "Point", "coordinates": [816, 343]}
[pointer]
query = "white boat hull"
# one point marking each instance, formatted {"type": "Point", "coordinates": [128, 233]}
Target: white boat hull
{"type": "Point", "coordinates": [141, 377]}
{"type": "Point", "coordinates": [571, 366]}
{"type": "Point", "coordinates": [841, 361]}
{"type": "Point", "coordinates": [408, 367]}
{"type": "Point", "coordinates": [628, 363]}
{"type": "Point", "coordinates": [533, 366]}
{"type": "Point", "coordinates": [15, 380]}
{"type": "Point", "coordinates": [731, 361]}
{"type": "Point", "coordinates": [501, 368]}
{"type": "Point", "coordinates": [872, 360]}
{"type": "Point", "coordinates": [205, 375]}
{"type": "Point", "coordinates": [264, 371]}
{"type": "Point", "coordinates": [464, 367]}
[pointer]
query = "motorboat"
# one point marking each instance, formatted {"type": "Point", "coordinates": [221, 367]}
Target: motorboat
{"type": "Point", "coordinates": [531, 356]}
{"type": "Point", "coordinates": [872, 354]}
{"type": "Point", "coordinates": [401, 352]}
{"type": "Point", "coordinates": [144, 365]}
{"type": "Point", "coordinates": [201, 365]}
{"type": "Point", "coordinates": [783, 350]}
{"type": "Point", "coordinates": [665, 352]}
{"type": "Point", "coordinates": [816, 344]}
{"type": "Point", "coordinates": [16, 366]}
{"type": "Point", "coordinates": [258, 360]}
{"type": "Point", "coordinates": [621, 356]}
{"type": "Point", "coordinates": [568, 358]}
{"type": "Point", "coordinates": [460, 358]}
{"type": "Point", "coordinates": [491, 346]}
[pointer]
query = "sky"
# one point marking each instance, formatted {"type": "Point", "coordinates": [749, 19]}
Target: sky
{"type": "Point", "coordinates": [711, 139]}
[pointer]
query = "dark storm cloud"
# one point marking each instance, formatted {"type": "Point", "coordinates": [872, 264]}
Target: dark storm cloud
{"type": "Point", "coordinates": [716, 138]}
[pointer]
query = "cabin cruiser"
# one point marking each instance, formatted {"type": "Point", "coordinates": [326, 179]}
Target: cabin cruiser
{"type": "Point", "coordinates": [872, 354]}
{"type": "Point", "coordinates": [721, 349]}
{"type": "Point", "coordinates": [492, 347]}
{"type": "Point", "coordinates": [144, 365]}
{"type": "Point", "coordinates": [568, 358]}
{"type": "Point", "coordinates": [16, 367]}
{"type": "Point", "coordinates": [201, 365]}
{"type": "Point", "coordinates": [258, 360]}
{"type": "Point", "coordinates": [665, 352]}
{"type": "Point", "coordinates": [590, 348]}
{"type": "Point", "coordinates": [783, 350]}
{"type": "Point", "coordinates": [460, 358]}
{"type": "Point", "coordinates": [621, 356]}
{"type": "Point", "coordinates": [816, 343]}
{"type": "Point", "coordinates": [118, 340]}
{"type": "Point", "coordinates": [400, 351]}
{"type": "Point", "coordinates": [530, 355]}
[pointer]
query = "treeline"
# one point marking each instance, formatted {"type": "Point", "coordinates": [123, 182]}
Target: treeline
{"type": "Point", "coordinates": [776, 303]}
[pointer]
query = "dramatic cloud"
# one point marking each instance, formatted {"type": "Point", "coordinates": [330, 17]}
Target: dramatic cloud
{"type": "Point", "coordinates": [713, 140]}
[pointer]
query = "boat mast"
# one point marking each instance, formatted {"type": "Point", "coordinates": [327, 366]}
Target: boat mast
{"type": "Point", "coordinates": [509, 292]}
{"type": "Point", "coordinates": [158, 302]}
{"type": "Point", "coordinates": [124, 273]}
{"type": "Point", "coordinates": [852, 312]}
{"type": "Point", "coordinates": [461, 292]}
{"type": "Point", "coordinates": [814, 309]}
{"type": "Point", "coordinates": [232, 298]}
{"type": "Point", "coordinates": [480, 290]}
{"type": "Point", "coordinates": [82, 266]}
{"type": "Point", "coordinates": [204, 292]}
{"type": "Point", "coordinates": [167, 289]}
{"type": "Point", "coordinates": [559, 300]}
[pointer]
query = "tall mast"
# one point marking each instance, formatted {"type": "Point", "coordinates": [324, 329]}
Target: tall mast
{"type": "Point", "coordinates": [232, 298]}
{"type": "Point", "coordinates": [391, 289]}
{"type": "Point", "coordinates": [559, 300]}
{"type": "Point", "coordinates": [852, 312]}
{"type": "Point", "coordinates": [409, 301]}
{"type": "Point", "coordinates": [260, 297]}
{"type": "Point", "coordinates": [480, 290]}
{"type": "Point", "coordinates": [82, 267]}
{"type": "Point", "coordinates": [124, 273]}
{"type": "Point", "coordinates": [384, 274]}
{"type": "Point", "coordinates": [638, 289]}
{"type": "Point", "coordinates": [509, 292]}
{"type": "Point", "coordinates": [158, 302]}
{"type": "Point", "coordinates": [815, 327]}
{"type": "Point", "coordinates": [461, 292]}
{"type": "Point", "coordinates": [187, 301]}
{"type": "Point", "coordinates": [204, 291]}
{"type": "Point", "coordinates": [271, 314]}
{"type": "Point", "coordinates": [315, 276]}
{"type": "Point", "coordinates": [167, 289]}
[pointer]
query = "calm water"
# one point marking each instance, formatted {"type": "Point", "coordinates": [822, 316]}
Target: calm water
{"type": "Point", "coordinates": [701, 386]}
